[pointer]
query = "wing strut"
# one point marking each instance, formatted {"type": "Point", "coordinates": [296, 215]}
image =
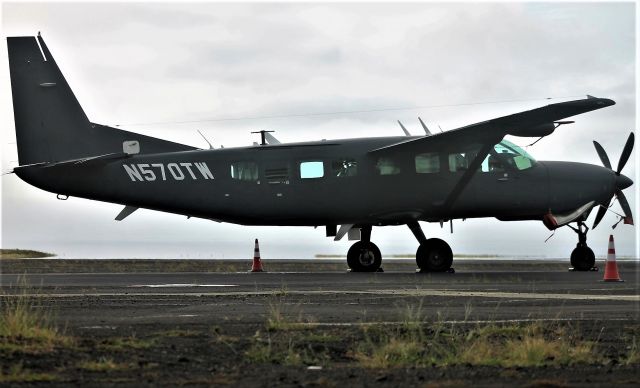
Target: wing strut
{"type": "Point", "coordinates": [466, 177]}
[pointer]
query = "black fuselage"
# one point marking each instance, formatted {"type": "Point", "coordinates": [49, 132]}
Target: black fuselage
{"type": "Point", "coordinates": [200, 183]}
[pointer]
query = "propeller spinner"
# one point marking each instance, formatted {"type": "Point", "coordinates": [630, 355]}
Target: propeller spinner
{"type": "Point", "coordinates": [622, 182]}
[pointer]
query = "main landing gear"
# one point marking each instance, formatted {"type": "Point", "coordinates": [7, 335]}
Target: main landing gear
{"type": "Point", "coordinates": [582, 257]}
{"type": "Point", "coordinates": [433, 255]}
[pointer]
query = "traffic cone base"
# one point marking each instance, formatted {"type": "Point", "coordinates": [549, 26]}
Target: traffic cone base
{"type": "Point", "coordinates": [611, 267]}
{"type": "Point", "coordinates": [257, 263]}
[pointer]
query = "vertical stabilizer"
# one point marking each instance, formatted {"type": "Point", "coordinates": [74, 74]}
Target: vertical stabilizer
{"type": "Point", "coordinates": [50, 123]}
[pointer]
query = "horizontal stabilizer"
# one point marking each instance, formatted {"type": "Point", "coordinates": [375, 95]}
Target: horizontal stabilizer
{"type": "Point", "coordinates": [126, 212]}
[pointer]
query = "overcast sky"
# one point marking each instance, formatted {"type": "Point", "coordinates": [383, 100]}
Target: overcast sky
{"type": "Point", "coordinates": [132, 64]}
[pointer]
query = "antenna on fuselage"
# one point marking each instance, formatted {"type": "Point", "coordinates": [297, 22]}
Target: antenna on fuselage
{"type": "Point", "coordinates": [406, 133]}
{"type": "Point", "coordinates": [267, 138]}
{"type": "Point", "coordinates": [426, 130]}
{"type": "Point", "coordinates": [205, 139]}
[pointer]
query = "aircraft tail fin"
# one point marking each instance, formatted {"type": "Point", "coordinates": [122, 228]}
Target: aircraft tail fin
{"type": "Point", "coordinates": [50, 123]}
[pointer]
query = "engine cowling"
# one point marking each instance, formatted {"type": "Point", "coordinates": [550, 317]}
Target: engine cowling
{"type": "Point", "coordinates": [537, 131]}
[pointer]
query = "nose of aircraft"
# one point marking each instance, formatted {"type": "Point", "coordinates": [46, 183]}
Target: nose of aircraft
{"type": "Point", "coordinates": [622, 182]}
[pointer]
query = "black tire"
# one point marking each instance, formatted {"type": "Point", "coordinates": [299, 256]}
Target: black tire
{"type": "Point", "coordinates": [434, 255]}
{"type": "Point", "coordinates": [364, 257]}
{"type": "Point", "coordinates": [583, 258]}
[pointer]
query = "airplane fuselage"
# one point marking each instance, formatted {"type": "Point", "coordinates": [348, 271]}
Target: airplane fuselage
{"type": "Point", "coordinates": [274, 190]}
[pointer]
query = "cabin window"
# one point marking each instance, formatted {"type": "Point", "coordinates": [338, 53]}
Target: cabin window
{"type": "Point", "coordinates": [311, 169]}
{"type": "Point", "coordinates": [428, 163]}
{"type": "Point", "coordinates": [279, 175]}
{"type": "Point", "coordinates": [244, 171]}
{"type": "Point", "coordinates": [460, 161]}
{"type": "Point", "coordinates": [344, 167]}
{"type": "Point", "coordinates": [387, 166]}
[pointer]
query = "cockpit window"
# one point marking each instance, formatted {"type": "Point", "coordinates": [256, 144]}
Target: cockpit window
{"type": "Point", "coordinates": [512, 155]}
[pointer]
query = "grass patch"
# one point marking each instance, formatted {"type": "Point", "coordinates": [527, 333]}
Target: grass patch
{"type": "Point", "coordinates": [23, 254]}
{"type": "Point", "coordinates": [17, 374]}
{"type": "Point", "coordinates": [512, 345]}
{"type": "Point", "coordinates": [280, 319]}
{"type": "Point", "coordinates": [176, 333]}
{"type": "Point", "coordinates": [103, 365]}
{"type": "Point", "coordinates": [126, 343]}
{"type": "Point", "coordinates": [28, 327]}
{"type": "Point", "coordinates": [633, 355]}
{"type": "Point", "coordinates": [283, 351]}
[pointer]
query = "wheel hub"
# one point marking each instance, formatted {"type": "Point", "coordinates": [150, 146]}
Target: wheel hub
{"type": "Point", "coordinates": [366, 257]}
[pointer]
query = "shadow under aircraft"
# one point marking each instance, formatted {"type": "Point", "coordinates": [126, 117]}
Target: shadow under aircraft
{"type": "Point", "coordinates": [348, 186]}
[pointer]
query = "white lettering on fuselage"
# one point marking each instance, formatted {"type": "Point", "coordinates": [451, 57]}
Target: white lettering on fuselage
{"type": "Point", "coordinates": [141, 172]}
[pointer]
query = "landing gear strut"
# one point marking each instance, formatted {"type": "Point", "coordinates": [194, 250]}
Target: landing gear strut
{"type": "Point", "coordinates": [364, 256]}
{"type": "Point", "coordinates": [434, 254]}
{"type": "Point", "coordinates": [582, 257]}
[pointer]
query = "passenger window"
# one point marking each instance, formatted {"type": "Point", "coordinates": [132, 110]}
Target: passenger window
{"type": "Point", "coordinates": [459, 161]}
{"type": "Point", "coordinates": [277, 175]}
{"type": "Point", "coordinates": [344, 167]}
{"type": "Point", "coordinates": [387, 166]}
{"type": "Point", "coordinates": [244, 171]}
{"type": "Point", "coordinates": [427, 163]}
{"type": "Point", "coordinates": [312, 169]}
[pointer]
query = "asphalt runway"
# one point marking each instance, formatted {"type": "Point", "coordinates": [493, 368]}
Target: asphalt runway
{"type": "Point", "coordinates": [497, 292]}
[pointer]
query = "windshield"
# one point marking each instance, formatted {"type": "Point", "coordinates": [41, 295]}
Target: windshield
{"type": "Point", "coordinates": [513, 155]}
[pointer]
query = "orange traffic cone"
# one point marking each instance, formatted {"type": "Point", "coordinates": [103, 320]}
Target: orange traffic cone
{"type": "Point", "coordinates": [257, 263]}
{"type": "Point", "coordinates": [611, 268]}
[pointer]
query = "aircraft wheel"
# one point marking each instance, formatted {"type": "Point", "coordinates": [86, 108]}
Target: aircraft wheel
{"type": "Point", "coordinates": [582, 258]}
{"type": "Point", "coordinates": [434, 255]}
{"type": "Point", "coordinates": [364, 256]}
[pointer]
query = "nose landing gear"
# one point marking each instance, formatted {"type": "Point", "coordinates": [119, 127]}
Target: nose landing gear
{"type": "Point", "coordinates": [582, 257]}
{"type": "Point", "coordinates": [364, 256]}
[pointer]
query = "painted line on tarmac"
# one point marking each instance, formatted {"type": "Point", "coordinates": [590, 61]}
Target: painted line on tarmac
{"type": "Point", "coordinates": [412, 292]}
{"type": "Point", "coordinates": [459, 322]}
{"type": "Point", "coordinates": [181, 285]}
{"type": "Point", "coordinates": [509, 295]}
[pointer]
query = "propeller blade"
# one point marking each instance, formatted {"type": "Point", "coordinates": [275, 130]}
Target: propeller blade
{"type": "Point", "coordinates": [603, 155]}
{"type": "Point", "coordinates": [625, 206]}
{"type": "Point", "coordinates": [602, 210]}
{"type": "Point", "coordinates": [626, 152]}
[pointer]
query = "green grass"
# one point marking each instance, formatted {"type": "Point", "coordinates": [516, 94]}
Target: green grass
{"type": "Point", "coordinates": [513, 345]}
{"type": "Point", "coordinates": [176, 333]}
{"type": "Point", "coordinates": [279, 318]}
{"type": "Point", "coordinates": [23, 254]}
{"type": "Point", "coordinates": [126, 343]}
{"type": "Point", "coordinates": [27, 327]}
{"type": "Point", "coordinates": [103, 365]}
{"type": "Point", "coordinates": [17, 374]}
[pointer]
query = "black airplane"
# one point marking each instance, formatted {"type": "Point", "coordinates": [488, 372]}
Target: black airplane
{"type": "Point", "coordinates": [348, 185]}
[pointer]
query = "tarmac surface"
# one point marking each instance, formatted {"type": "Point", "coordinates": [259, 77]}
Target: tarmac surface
{"type": "Point", "coordinates": [498, 291]}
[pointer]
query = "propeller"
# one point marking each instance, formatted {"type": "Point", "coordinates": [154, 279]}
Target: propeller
{"type": "Point", "coordinates": [622, 182]}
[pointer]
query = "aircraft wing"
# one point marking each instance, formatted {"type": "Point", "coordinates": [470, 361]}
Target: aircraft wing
{"type": "Point", "coordinates": [536, 122]}
{"type": "Point", "coordinates": [492, 131]}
